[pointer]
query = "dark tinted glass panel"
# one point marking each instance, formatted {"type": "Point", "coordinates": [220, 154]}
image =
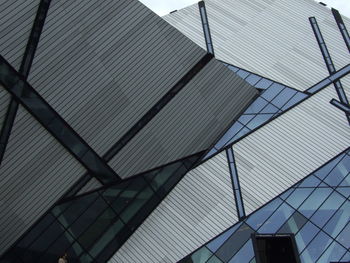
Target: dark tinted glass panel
{"type": "Point", "coordinates": [218, 241]}
{"type": "Point", "coordinates": [245, 254]}
{"type": "Point", "coordinates": [294, 224]}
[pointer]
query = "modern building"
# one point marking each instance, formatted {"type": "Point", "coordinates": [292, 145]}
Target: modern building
{"type": "Point", "coordinates": [219, 133]}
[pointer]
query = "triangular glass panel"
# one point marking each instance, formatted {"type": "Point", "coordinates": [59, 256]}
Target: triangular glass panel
{"type": "Point", "coordinates": [104, 217]}
{"type": "Point", "coordinates": [273, 100]}
{"type": "Point", "coordinates": [310, 181]}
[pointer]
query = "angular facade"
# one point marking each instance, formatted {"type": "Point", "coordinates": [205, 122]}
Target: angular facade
{"type": "Point", "coordinates": [219, 133]}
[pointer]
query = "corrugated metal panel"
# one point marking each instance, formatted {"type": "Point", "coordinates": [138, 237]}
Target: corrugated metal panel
{"type": "Point", "coordinates": [200, 207]}
{"type": "Point", "coordinates": [16, 20]}
{"type": "Point", "coordinates": [35, 172]}
{"type": "Point", "coordinates": [188, 21]}
{"type": "Point", "coordinates": [102, 65]}
{"type": "Point", "coordinates": [4, 103]}
{"type": "Point", "coordinates": [270, 38]}
{"type": "Point", "coordinates": [287, 149]}
{"type": "Point", "coordinates": [190, 123]}
{"type": "Point", "coordinates": [91, 185]}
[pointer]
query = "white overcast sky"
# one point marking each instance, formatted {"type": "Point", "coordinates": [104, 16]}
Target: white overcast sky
{"type": "Point", "coordinates": [163, 7]}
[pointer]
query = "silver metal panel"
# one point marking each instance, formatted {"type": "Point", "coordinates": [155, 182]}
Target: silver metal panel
{"type": "Point", "coordinates": [270, 38]}
{"type": "Point", "coordinates": [102, 65]}
{"type": "Point", "coordinates": [4, 103]}
{"type": "Point", "coordinates": [35, 172]}
{"type": "Point", "coordinates": [281, 153]}
{"type": "Point", "coordinates": [16, 20]}
{"type": "Point", "coordinates": [190, 123]}
{"type": "Point", "coordinates": [200, 207]}
{"type": "Point", "coordinates": [90, 186]}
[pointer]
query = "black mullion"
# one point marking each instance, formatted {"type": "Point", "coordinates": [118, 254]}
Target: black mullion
{"type": "Point", "coordinates": [24, 70]}
{"type": "Point", "coordinates": [54, 123]}
{"type": "Point", "coordinates": [342, 27]}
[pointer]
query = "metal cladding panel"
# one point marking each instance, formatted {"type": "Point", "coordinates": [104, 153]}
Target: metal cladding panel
{"type": "Point", "coordinates": [200, 207]}
{"type": "Point", "coordinates": [90, 186]}
{"type": "Point", "coordinates": [4, 103]}
{"type": "Point", "coordinates": [35, 172]}
{"type": "Point", "coordinates": [188, 21]}
{"type": "Point", "coordinates": [16, 20]}
{"type": "Point", "coordinates": [281, 153]}
{"type": "Point", "coordinates": [190, 123]}
{"type": "Point", "coordinates": [102, 65]}
{"type": "Point", "coordinates": [270, 38]}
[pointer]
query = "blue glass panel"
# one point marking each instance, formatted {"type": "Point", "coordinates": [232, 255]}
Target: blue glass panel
{"type": "Point", "coordinates": [333, 253]}
{"type": "Point", "coordinates": [286, 193]}
{"type": "Point", "coordinates": [233, 68]}
{"type": "Point", "coordinates": [258, 218]}
{"type": "Point", "coordinates": [298, 196]}
{"type": "Point", "coordinates": [283, 97]}
{"type": "Point", "coordinates": [277, 219]}
{"type": "Point", "coordinates": [210, 153]}
{"type": "Point", "coordinates": [263, 84]}
{"type": "Point", "coordinates": [296, 98]}
{"type": "Point", "coordinates": [345, 191]}
{"type": "Point", "coordinates": [346, 257]}
{"type": "Point", "coordinates": [312, 203]}
{"type": "Point", "coordinates": [339, 172]}
{"type": "Point", "coordinates": [270, 109]}
{"type": "Point", "coordinates": [346, 181]}
{"type": "Point", "coordinates": [305, 235]}
{"type": "Point", "coordinates": [244, 119]}
{"type": "Point", "coordinates": [258, 120]}
{"type": "Point", "coordinates": [294, 224]}
{"type": "Point", "coordinates": [245, 254]}
{"type": "Point", "coordinates": [344, 236]}
{"type": "Point", "coordinates": [201, 255]}
{"type": "Point", "coordinates": [214, 259]}
{"type": "Point", "coordinates": [241, 133]}
{"type": "Point", "coordinates": [272, 91]}
{"type": "Point", "coordinates": [339, 220]}
{"type": "Point", "coordinates": [310, 181]}
{"type": "Point", "coordinates": [253, 79]}
{"type": "Point", "coordinates": [315, 248]}
{"type": "Point", "coordinates": [242, 73]}
{"type": "Point", "coordinates": [327, 209]}
{"type": "Point", "coordinates": [256, 106]}
{"type": "Point", "coordinates": [218, 241]}
{"type": "Point", "coordinates": [235, 128]}
{"type": "Point", "coordinates": [325, 170]}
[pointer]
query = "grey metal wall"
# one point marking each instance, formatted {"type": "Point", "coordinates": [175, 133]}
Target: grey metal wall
{"type": "Point", "coordinates": [190, 123]}
{"type": "Point", "coordinates": [279, 154]}
{"type": "Point", "coordinates": [16, 19]}
{"type": "Point", "coordinates": [200, 207]}
{"type": "Point", "coordinates": [35, 172]}
{"type": "Point", "coordinates": [102, 65]}
{"type": "Point", "coordinates": [271, 38]}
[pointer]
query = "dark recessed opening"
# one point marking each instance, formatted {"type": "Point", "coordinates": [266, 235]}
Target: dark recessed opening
{"type": "Point", "coordinates": [275, 249]}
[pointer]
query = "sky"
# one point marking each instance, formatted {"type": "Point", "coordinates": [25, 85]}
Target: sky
{"type": "Point", "coordinates": [163, 7]}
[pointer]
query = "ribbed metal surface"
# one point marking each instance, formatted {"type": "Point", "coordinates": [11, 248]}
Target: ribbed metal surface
{"type": "Point", "coordinates": [270, 37]}
{"type": "Point", "coordinates": [199, 207]}
{"type": "Point", "coordinates": [190, 123]}
{"type": "Point", "coordinates": [16, 20]}
{"type": "Point", "coordinates": [102, 65]}
{"type": "Point", "coordinates": [91, 185]}
{"type": "Point", "coordinates": [188, 21]}
{"type": "Point", "coordinates": [35, 172]}
{"type": "Point", "coordinates": [4, 102]}
{"type": "Point", "coordinates": [287, 149]}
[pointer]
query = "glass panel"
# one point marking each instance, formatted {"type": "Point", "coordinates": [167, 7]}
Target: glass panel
{"type": "Point", "coordinates": [316, 248]}
{"type": "Point", "coordinates": [294, 224]}
{"type": "Point", "coordinates": [345, 191]}
{"type": "Point", "coordinates": [283, 97]}
{"type": "Point", "coordinates": [299, 196]}
{"type": "Point", "coordinates": [258, 218]}
{"type": "Point", "coordinates": [235, 128]}
{"type": "Point", "coordinates": [277, 219]}
{"type": "Point", "coordinates": [296, 98]}
{"type": "Point", "coordinates": [263, 84]}
{"type": "Point", "coordinates": [344, 236]}
{"type": "Point", "coordinates": [325, 170]}
{"type": "Point", "coordinates": [338, 221]}
{"type": "Point", "coordinates": [245, 254]}
{"type": "Point", "coordinates": [327, 209]}
{"type": "Point", "coordinates": [258, 120]}
{"type": "Point", "coordinates": [270, 109]}
{"type": "Point", "coordinates": [310, 181]}
{"type": "Point", "coordinates": [314, 201]}
{"type": "Point", "coordinates": [286, 194]}
{"type": "Point", "coordinates": [214, 259]}
{"type": "Point", "coordinates": [218, 241]}
{"type": "Point", "coordinates": [244, 119]}
{"type": "Point", "coordinates": [201, 255]}
{"type": "Point", "coordinates": [234, 243]}
{"type": "Point", "coordinates": [339, 172]}
{"type": "Point", "coordinates": [242, 73]}
{"type": "Point", "coordinates": [256, 106]}
{"type": "Point", "coordinates": [305, 235]}
{"type": "Point", "coordinates": [346, 257]}
{"type": "Point", "coordinates": [253, 79]}
{"type": "Point", "coordinates": [346, 181]}
{"type": "Point", "coordinates": [272, 91]}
